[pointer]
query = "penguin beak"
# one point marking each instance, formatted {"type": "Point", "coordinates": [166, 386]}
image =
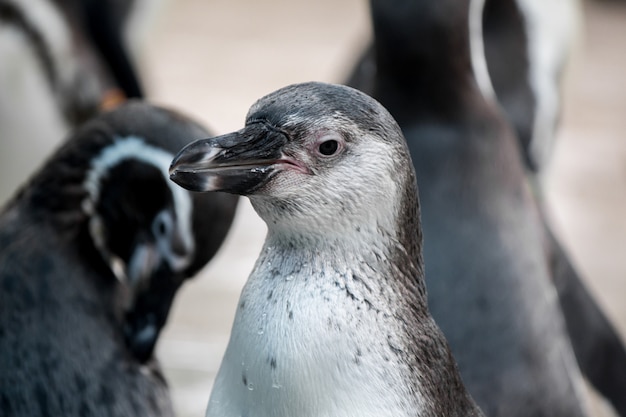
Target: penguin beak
{"type": "Point", "coordinates": [237, 163]}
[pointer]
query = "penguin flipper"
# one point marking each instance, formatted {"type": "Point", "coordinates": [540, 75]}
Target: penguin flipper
{"type": "Point", "coordinates": [599, 350]}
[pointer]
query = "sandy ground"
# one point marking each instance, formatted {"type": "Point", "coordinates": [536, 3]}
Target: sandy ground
{"type": "Point", "coordinates": [213, 59]}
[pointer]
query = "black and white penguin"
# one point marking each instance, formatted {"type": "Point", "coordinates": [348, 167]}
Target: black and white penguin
{"type": "Point", "coordinates": [333, 319]}
{"type": "Point", "coordinates": [526, 46]}
{"type": "Point", "coordinates": [591, 333]}
{"type": "Point", "coordinates": [92, 252]}
{"type": "Point", "coordinates": [487, 274]}
{"type": "Point", "coordinates": [61, 63]}
{"type": "Point", "coordinates": [520, 52]}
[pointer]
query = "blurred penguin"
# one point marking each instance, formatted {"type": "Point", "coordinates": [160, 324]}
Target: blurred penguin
{"type": "Point", "coordinates": [526, 80]}
{"type": "Point", "coordinates": [61, 62]}
{"type": "Point", "coordinates": [487, 275]}
{"type": "Point", "coordinates": [520, 51]}
{"type": "Point", "coordinates": [527, 47]}
{"type": "Point", "coordinates": [92, 252]}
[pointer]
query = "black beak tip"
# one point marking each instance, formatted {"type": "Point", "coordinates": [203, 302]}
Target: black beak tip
{"type": "Point", "coordinates": [182, 164]}
{"type": "Point", "coordinates": [174, 171]}
{"type": "Point", "coordinates": [181, 158]}
{"type": "Point", "coordinates": [189, 180]}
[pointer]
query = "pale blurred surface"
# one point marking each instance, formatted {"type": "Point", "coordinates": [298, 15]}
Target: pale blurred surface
{"type": "Point", "coordinates": [213, 59]}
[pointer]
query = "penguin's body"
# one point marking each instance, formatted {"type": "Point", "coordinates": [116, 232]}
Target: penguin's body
{"type": "Point", "coordinates": [527, 47]}
{"type": "Point", "coordinates": [520, 51]}
{"type": "Point", "coordinates": [333, 318]}
{"type": "Point", "coordinates": [486, 272]}
{"type": "Point", "coordinates": [526, 72]}
{"type": "Point", "coordinates": [488, 289]}
{"type": "Point", "coordinates": [526, 51]}
{"type": "Point", "coordinates": [57, 69]}
{"type": "Point", "coordinates": [92, 252]}
{"type": "Point", "coordinates": [62, 349]}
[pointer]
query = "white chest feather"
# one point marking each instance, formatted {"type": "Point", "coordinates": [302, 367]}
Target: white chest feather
{"type": "Point", "coordinates": [311, 343]}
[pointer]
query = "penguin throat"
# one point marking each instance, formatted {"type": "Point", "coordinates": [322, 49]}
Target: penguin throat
{"type": "Point", "coordinates": [346, 262]}
{"type": "Point", "coordinates": [322, 322]}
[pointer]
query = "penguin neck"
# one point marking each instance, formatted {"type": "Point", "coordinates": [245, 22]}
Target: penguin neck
{"type": "Point", "coordinates": [380, 230]}
{"type": "Point", "coordinates": [423, 58]}
{"type": "Point", "coordinates": [317, 330]}
{"type": "Point", "coordinates": [348, 261]}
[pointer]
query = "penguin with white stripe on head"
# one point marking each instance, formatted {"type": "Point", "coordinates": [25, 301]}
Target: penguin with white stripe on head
{"type": "Point", "coordinates": [92, 252]}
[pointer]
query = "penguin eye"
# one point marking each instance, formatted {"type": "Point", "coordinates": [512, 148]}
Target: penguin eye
{"type": "Point", "coordinates": [161, 229]}
{"type": "Point", "coordinates": [162, 224]}
{"type": "Point", "coordinates": [328, 147]}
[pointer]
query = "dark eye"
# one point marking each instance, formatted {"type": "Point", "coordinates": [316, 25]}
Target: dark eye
{"type": "Point", "coordinates": [162, 224]}
{"type": "Point", "coordinates": [329, 147]}
{"type": "Point", "coordinates": [161, 229]}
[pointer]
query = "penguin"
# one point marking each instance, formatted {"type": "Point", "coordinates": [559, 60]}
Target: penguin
{"type": "Point", "coordinates": [599, 349]}
{"type": "Point", "coordinates": [79, 49]}
{"type": "Point", "coordinates": [61, 63]}
{"type": "Point", "coordinates": [103, 24]}
{"type": "Point", "coordinates": [527, 46]}
{"type": "Point", "coordinates": [92, 251]}
{"type": "Point", "coordinates": [506, 23]}
{"type": "Point", "coordinates": [333, 320]}
{"type": "Point", "coordinates": [520, 52]}
{"type": "Point", "coordinates": [488, 278]}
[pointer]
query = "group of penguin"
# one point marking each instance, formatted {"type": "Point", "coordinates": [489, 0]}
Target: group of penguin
{"type": "Point", "coordinates": [408, 270]}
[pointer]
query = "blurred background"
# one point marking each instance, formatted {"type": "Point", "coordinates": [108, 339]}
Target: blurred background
{"type": "Point", "coordinates": [212, 59]}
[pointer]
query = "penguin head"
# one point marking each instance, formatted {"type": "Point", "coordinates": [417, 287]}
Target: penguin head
{"type": "Point", "coordinates": [138, 220]}
{"type": "Point", "coordinates": [108, 191]}
{"type": "Point", "coordinates": [315, 159]}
